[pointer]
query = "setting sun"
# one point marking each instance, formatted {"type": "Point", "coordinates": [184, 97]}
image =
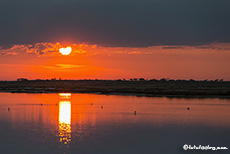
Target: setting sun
{"type": "Point", "coordinates": [65, 51]}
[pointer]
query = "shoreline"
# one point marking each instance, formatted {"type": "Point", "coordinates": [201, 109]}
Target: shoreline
{"type": "Point", "coordinates": [131, 94]}
{"type": "Point", "coordinates": [181, 89]}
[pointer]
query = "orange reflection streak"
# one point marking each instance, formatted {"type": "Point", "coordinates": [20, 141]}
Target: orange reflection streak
{"type": "Point", "coordinates": [64, 94]}
{"type": "Point", "coordinates": [65, 118]}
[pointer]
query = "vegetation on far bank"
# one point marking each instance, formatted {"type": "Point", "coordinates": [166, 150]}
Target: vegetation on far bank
{"type": "Point", "coordinates": [153, 87]}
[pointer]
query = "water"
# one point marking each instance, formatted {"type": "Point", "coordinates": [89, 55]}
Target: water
{"type": "Point", "coordinates": [89, 123]}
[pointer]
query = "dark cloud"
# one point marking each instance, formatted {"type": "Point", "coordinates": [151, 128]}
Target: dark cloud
{"type": "Point", "coordinates": [177, 47]}
{"type": "Point", "coordinates": [115, 22]}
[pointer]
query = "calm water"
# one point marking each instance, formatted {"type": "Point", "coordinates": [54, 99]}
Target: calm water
{"type": "Point", "coordinates": [88, 123]}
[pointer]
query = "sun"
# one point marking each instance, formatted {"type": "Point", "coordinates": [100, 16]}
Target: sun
{"type": "Point", "coordinates": [65, 51]}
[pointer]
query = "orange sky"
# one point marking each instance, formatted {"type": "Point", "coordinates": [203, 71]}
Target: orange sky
{"type": "Point", "coordinates": [43, 60]}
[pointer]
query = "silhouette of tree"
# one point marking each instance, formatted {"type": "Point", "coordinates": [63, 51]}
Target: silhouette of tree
{"type": "Point", "coordinates": [141, 79]}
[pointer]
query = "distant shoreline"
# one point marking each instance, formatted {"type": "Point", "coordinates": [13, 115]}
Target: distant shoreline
{"type": "Point", "coordinates": [171, 89]}
{"type": "Point", "coordinates": [130, 94]}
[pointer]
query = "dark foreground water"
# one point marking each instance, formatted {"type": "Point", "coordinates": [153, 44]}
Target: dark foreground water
{"type": "Point", "coordinates": [88, 123]}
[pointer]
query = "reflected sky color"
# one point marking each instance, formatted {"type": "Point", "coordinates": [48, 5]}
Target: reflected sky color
{"type": "Point", "coordinates": [65, 117]}
{"type": "Point", "coordinates": [78, 124]}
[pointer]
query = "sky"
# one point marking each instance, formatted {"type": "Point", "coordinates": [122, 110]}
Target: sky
{"type": "Point", "coordinates": [179, 39]}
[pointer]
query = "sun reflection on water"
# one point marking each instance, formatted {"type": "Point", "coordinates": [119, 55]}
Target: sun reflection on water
{"type": "Point", "coordinates": [65, 118]}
